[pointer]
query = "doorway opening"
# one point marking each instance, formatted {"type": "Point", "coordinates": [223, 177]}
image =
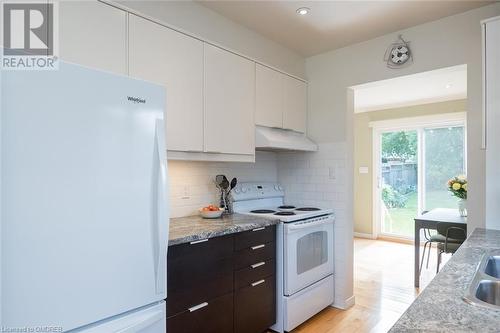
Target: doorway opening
{"type": "Point", "coordinates": [409, 139]}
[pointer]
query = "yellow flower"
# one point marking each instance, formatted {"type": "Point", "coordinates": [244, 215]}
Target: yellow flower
{"type": "Point", "coordinates": [464, 186]}
{"type": "Point", "coordinates": [456, 186]}
{"type": "Point", "coordinates": [461, 177]}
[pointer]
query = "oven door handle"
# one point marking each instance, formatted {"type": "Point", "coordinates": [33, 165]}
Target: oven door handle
{"type": "Point", "coordinates": [299, 226]}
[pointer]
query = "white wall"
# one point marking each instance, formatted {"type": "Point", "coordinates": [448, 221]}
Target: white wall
{"type": "Point", "coordinates": [209, 25]}
{"type": "Point", "coordinates": [192, 183]}
{"type": "Point", "coordinates": [447, 42]}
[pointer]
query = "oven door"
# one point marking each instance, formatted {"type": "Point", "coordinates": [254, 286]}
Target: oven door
{"type": "Point", "coordinates": [308, 252]}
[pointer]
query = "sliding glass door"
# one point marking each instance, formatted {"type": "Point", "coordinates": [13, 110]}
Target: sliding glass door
{"type": "Point", "coordinates": [414, 165]}
{"type": "Point", "coordinates": [444, 157]}
{"type": "Point", "coordinates": [399, 181]}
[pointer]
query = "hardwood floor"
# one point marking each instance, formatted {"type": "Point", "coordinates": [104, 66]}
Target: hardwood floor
{"type": "Point", "coordinates": [383, 286]}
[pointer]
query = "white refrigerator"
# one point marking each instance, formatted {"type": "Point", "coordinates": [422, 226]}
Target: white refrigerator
{"type": "Point", "coordinates": [84, 211]}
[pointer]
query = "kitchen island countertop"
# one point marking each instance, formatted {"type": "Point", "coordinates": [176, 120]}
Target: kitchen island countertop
{"type": "Point", "coordinates": [193, 228]}
{"type": "Point", "coordinates": [440, 307]}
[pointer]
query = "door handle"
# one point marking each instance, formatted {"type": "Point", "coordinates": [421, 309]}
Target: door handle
{"type": "Point", "coordinates": [199, 241]}
{"type": "Point", "coordinates": [262, 263]}
{"type": "Point", "coordinates": [256, 247]}
{"type": "Point", "coordinates": [161, 229]}
{"type": "Point", "coordinates": [198, 307]}
{"type": "Point", "coordinates": [258, 282]}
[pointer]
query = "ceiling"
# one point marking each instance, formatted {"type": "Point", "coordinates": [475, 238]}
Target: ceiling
{"type": "Point", "coordinates": [333, 24]}
{"type": "Point", "coordinates": [428, 87]}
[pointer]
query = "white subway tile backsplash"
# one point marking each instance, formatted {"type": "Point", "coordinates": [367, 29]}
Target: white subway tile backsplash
{"type": "Point", "coordinates": [192, 183]}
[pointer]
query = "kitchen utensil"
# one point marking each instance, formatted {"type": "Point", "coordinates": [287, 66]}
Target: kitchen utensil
{"type": "Point", "coordinates": [225, 184]}
{"type": "Point", "coordinates": [219, 179]}
{"type": "Point", "coordinates": [234, 181]}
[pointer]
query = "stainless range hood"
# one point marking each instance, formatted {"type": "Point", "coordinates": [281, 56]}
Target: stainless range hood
{"type": "Point", "coordinates": [276, 139]}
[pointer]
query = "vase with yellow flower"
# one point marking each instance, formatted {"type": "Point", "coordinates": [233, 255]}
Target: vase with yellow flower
{"type": "Point", "coordinates": [458, 187]}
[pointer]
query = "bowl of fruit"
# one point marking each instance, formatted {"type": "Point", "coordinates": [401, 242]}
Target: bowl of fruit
{"type": "Point", "coordinates": [211, 212]}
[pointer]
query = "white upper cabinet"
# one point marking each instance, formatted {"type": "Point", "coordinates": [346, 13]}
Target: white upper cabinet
{"type": "Point", "coordinates": [229, 102]}
{"type": "Point", "coordinates": [295, 105]}
{"type": "Point", "coordinates": [270, 92]}
{"type": "Point", "coordinates": [281, 100]}
{"type": "Point", "coordinates": [93, 34]}
{"type": "Point", "coordinates": [164, 56]}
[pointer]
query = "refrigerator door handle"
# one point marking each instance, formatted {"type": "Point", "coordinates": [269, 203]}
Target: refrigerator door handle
{"type": "Point", "coordinates": [144, 323]}
{"type": "Point", "coordinates": [161, 229]}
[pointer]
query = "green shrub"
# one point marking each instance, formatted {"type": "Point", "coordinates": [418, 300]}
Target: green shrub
{"type": "Point", "coordinates": [392, 198]}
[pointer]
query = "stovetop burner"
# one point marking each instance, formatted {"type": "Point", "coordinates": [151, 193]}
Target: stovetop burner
{"type": "Point", "coordinates": [263, 211]}
{"type": "Point", "coordinates": [286, 207]}
{"type": "Point", "coordinates": [284, 213]}
{"type": "Point", "coordinates": [308, 209]}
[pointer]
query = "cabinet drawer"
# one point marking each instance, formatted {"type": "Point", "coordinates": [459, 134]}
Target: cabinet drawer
{"type": "Point", "coordinates": [212, 316]}
{"type": "Point", "coordinates": [197, 272]}
{"type": "Point", "coordinates": [193, 285]}
{"type": "Point", "coordinates": [212, 248]}
{"type": "Point", "coordinates": [254, 237]}
{"type": "Point", "coordinates": [260, 270]}
{"type": "Point", "coordinates": [255, 306]}
{"type": "Point", "coordinates": [255, 254]}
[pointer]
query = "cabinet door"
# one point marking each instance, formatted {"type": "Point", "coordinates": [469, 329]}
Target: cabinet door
{"type": "Point", "coordinates": [164, 56]}
{"type": "Point", "coordinates": [295, 109]}
{"type": "Point", "coordinates": [255, 306]}
{"type": "Point", "coordinates": [269, 97]}
{"type": "Point", "coordinates": [93, 34]}
{"type": "Point", "coordinates": [229, 102]}
{"type": "Point", "coordinates": [213, 316]}
{"type": "Point", "coordinates": [492, 118]}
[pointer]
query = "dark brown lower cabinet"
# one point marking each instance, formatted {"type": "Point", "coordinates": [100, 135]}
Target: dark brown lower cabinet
{"type": "Point", "coordinates": [224, 284]}
{"type": "Point", "coordinates": [214, 316]}
{"type": "Point", "coordinates": [255, 306]}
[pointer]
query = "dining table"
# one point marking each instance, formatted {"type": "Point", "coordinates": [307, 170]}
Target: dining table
{"type": "Point", "coordinates": [429, 220]}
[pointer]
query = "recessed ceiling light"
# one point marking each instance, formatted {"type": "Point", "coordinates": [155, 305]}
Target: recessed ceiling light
{"type": "Point", "coordinates": [449, 85]}
{"type": "Point", "coordinates": [303, 11]}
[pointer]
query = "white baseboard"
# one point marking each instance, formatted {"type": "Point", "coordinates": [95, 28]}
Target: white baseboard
{"type": "Point", "coordinates": [345, 304]}
{"type": "Point", "coordinates": [363, 235]}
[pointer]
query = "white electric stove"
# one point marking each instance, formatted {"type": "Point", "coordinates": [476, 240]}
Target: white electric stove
{"type": "Point", "coordinates": [304, 255]}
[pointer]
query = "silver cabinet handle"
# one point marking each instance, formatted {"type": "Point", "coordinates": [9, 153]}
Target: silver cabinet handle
{"type": "Point", "coordinates": [197, 307]}
{"type": "Point", "coordinates": [259, 229]}
{"type": "Point", "coordinates": [262, 263]}
{"type": "Point", "coordinates": [256, 247]}
{"type": "Point", "coordinates": [258, 282]}
{"type": "Point", "coordinates": [199, 241]}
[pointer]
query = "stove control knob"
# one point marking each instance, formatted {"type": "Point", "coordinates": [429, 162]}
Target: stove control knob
{"type": "Point", "coordinates": [237, 190]}
{"type": "Point", "coordinates": [276, 187]}
{"type": "Point", "coordinates": [280, 188]}
{"type": "Point", "coordinates": [244, 190]}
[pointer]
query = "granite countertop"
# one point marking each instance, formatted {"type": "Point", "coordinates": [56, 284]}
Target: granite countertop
{"type": "Point", "coordinates": [192, 228]}
{"type": "Point", "coordinates": [440, 308]}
